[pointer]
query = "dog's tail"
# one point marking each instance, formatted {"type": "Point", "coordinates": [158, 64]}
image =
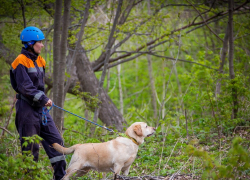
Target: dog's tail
{"type": "Point", "coordinates": [62, 149]}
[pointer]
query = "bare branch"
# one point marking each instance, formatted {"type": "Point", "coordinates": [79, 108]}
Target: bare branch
{"type": "Point", "coordinates": [176, 30]}
{"type": "Point", "coordinates": [205, 21]}
{"type": "Point", "coordinates": [197, 27]}
{"type": "Point", "coordinates": [106, 62]}
{"type": "Point", "coordinates": [126, 12]}
{"type": "Point", "coordinates": [99, 62]}
{"type": "Point", "coordinates": [120, 22]}
{"type": "Point", "coordinates": [203, 12]}
{"type": "Point", "coordinates": [48, 7]}
{"type": "Point", "coordinates": [192, 62]}
{"type": "Point", "coordinates": [78, 44]}
{"type": "Point", "coordinates": [6, 131]}
{"type": "Point", "coordinates": [23, 13]}
{"type": "Point", "coordinates": [153, 54]}
{"type": "Point", "coordinates": [11, 111]}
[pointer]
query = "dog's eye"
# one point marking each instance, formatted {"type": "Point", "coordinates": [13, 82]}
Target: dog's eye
{"type": "Point", "coordinates": [146, 126]}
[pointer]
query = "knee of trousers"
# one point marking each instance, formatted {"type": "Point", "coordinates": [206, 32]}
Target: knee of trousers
{"type": "Point", "coordinates": [34, 148]}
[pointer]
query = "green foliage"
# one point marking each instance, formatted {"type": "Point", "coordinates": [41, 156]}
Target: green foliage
{"type": "Point", "coordinates": [91, 101]}
{"type": "Point", "coordinates": [187, 103]}
{"type": "Point", "coordinates": [21, 167]}
{"type": "Point", "coordinates": [14, 165]}
{"type": "Point", "coordinates": [234, 165]}
{"type": "Point", "coordinates": [35, 139]}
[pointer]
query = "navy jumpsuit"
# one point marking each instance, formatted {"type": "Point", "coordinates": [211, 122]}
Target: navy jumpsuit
{"type": "Point", "coordinates": [27, 76]}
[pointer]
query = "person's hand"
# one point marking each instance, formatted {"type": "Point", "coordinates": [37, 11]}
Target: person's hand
{"type": "Point", "coordinates": [49, 103]}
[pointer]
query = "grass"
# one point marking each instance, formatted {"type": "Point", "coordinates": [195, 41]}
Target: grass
{"type": "Point", "coordinates": [160, 155]}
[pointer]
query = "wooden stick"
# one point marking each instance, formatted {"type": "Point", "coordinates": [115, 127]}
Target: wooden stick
{"type": "Point", "coordinates": [8, 120]}
{"type": "Point", "coordinates": [6, 131]}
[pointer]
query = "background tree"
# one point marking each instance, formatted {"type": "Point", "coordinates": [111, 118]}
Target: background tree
{"type": "Point", "coordinates": [188, 44]}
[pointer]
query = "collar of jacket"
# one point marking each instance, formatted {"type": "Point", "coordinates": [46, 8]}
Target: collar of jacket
{"type": "Point", "coordinates": [28, 54]}
{"type": "Point", "coordinates": [127, 136]}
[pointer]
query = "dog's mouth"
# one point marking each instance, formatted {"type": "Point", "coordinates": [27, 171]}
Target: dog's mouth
{"type": "Point", "coordinates": [150, 134]}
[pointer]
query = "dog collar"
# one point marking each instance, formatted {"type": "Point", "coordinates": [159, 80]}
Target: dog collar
{"type": "Point", "coordinates": [127, 136]}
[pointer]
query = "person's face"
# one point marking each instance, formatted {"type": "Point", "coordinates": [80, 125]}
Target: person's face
{"type": "Point", "coordinates": [38, 47]}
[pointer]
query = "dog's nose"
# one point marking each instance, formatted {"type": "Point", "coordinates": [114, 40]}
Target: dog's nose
{"type": "Point", "coordinates": [153, 128]}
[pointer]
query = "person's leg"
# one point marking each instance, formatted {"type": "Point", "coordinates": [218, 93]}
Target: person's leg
{"type": "Point", "coordinates": [27, 124]}
{"type": "Point", "coordinates": [29, 130]}
{"type": "Point", "coordinates": [57, 160]}
{"type": "Point", "coordinates": [51, 135]}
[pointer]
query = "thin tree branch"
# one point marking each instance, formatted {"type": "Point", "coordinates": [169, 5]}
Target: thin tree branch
{"type": "Point", "coordinates": [23, 13]}
{"type": "Point", "coordinates": [153, 54]}
{"type": "Point", "coordinates": [205, 24]}
{"type": "Point", "coordinates": [99, 62]}
{"type": "Point", "coordinates": [6, 131]}
{"type": "Point", "coordinates": [204, 11]}
{"type": "Point", "coordinates": [78, 44]}
{"type": "Point", "coordinates": [185, 61]}
{"type": "Point", "coordinates": [11, 111]}
{"type": "Point", "coordinates": [204, 21]}
{"type": "Point", "coordinates": [176, 30]}
{"type": "Point", "coordinates": [121, 21]}
{"type": "Point", "coordinates": [126, 12]}
{"type": "Point", "coordinates": [106, 62]}
{"type": "Point", "coordinates": [48, 7]}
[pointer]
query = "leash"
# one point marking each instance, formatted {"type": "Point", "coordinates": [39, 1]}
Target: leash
{"type": "Point", "coordinates": [44, 118]}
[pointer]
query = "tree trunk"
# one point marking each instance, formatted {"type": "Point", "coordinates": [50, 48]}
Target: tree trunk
{"type": "Point", "coordinates": [120, 88]}
{"type": "Point", "coordinates": [222, 61]}
{"type": "Point", "coordinates": [23, 13]}
{"type": "Point", "coordinates": [179, 89]}
{"type": "Point", "coordinates": [77, 47]}
{"type": "Point", "coordinates": [108, 81]}
{"type": "Point", "coordinates": [56, 60]}
{"type": "Point", "coordinates": [230, 58]}
{"type": "Point", "coordinates": [106, 62]}
{"type": "Point", "coordinates": [162, 111]}
{"type": "Point", "coordinates": [62, 60]}
{"type": "Point", "coordinates": [108, 113]}
{"type": "Point", "coordinates": [152, 82]}
{"type": "Point", "coordinates": [152, 86]}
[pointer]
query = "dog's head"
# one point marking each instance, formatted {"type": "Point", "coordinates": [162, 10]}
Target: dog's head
{"type": "Point", "coordinates": [139, 131]}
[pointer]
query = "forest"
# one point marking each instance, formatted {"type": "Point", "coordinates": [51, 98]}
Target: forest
{"type": "Point", "coordinates": [181, 66]}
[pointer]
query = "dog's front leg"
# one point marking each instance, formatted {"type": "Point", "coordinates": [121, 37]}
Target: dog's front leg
{"type": "Point", "coordinates": [126, 171]}
{"type": "Point", "coordinates": [117, 168]}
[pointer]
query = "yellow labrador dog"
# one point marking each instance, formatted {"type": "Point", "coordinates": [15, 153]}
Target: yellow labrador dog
{"type": "Point", "coordinates": [117, 154]}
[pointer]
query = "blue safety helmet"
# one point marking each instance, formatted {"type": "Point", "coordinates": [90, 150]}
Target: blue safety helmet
{"type": "Point", "coordinates": [31, 34]}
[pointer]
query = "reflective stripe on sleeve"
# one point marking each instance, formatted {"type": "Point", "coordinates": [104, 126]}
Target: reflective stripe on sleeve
{"type": "Point", "coordinates": [57, 158]}
{"type": "Point", "coordinates": [38, 95]}
{"type": "Point", "coordinates": [41, 69]}
{"type": "Point", "coordinates": [32, 70]}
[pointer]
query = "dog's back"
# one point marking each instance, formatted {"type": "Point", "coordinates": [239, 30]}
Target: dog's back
{"type": "Point", "coordinates": [117, 154]}
{"type": "Point", "coordinates": [101, 156]}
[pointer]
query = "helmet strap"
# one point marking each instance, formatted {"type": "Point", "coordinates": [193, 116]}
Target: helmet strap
{"type": "Point", "coordinates": [29, 46]}
{"type": "Point", "coordinates": [32, 49]}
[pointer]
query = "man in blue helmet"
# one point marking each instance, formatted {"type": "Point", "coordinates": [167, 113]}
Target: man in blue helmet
{"type": "Point", "coordinates": [27, 75]}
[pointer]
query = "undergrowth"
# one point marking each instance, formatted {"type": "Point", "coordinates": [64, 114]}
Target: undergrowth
{"type": "Point", "coordinates": [164, 153]}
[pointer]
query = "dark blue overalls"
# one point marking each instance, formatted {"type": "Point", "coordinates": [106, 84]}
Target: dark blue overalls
{"type": "Point", "coordinates": [27, 79]}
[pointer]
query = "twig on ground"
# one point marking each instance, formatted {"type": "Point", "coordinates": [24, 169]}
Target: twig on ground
{"type": "Point", "coordinates": [178, 172]}
{"type": "Point", "coordinates": [170, 154]}
{"type": "Point", "coordinates": [11, 111]}
{"type": "Point", "coordinates": [6, 131]}
{"type": "Point", "coordinates": [164, 140]}
{"type": "Point", "coordinates": [240, 127]}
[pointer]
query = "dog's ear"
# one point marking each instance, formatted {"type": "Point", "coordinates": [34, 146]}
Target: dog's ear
{"type": "Point", "coordinates": [137, 130]}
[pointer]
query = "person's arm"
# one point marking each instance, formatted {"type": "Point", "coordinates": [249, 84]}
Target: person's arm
{"type": "Point", "coordinates": [25, 86]}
